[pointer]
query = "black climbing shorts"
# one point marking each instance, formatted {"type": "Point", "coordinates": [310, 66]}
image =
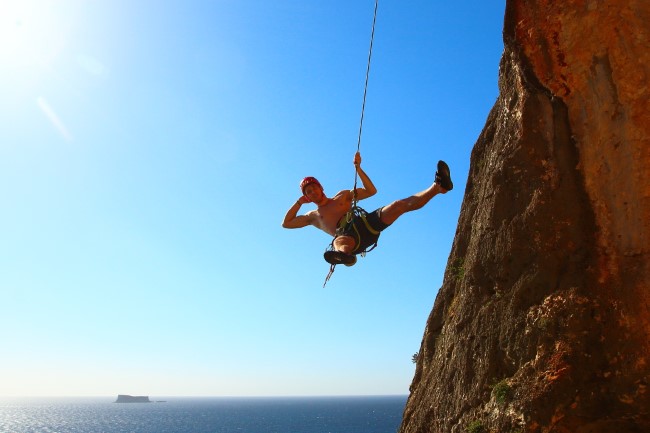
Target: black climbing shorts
{"type": "Point", "coordinates": [363, 237]}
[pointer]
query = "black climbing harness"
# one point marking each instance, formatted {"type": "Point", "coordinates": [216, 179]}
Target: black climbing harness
{"type": "Point", "coordinates": [354, 223]}
{"type": "Point", "coordinates": [356, 213]}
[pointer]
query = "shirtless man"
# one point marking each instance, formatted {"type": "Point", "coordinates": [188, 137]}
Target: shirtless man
{"type": "Point", "coordinates": [355, 238]}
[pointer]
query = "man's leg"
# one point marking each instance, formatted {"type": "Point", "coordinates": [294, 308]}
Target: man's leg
{"type": "Point", "coordinates": [344, 244]}
{"type": "Point", "coordinates": [397, 208]}
{"type": "Point", "coordinates": [342, 252]}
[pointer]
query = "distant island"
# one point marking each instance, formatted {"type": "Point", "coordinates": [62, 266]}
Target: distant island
{"type": "Point", "coordinates": [123, 398]}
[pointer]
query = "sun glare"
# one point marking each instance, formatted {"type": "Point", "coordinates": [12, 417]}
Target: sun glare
{"type": "Point", "coordinates": [29, 33]}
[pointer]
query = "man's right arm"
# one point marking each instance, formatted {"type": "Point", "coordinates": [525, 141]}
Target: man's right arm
{"type": "Point", "coordinates": [294, 221]}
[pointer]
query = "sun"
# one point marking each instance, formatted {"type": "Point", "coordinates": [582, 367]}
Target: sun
{"type": "Point", "coordinates": [33, 35]}
{"type": "Point", "coordinates": [30, 33]}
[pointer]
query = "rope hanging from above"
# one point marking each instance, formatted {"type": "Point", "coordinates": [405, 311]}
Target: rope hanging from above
{"type": "Point", "coordinates": [363, 106]}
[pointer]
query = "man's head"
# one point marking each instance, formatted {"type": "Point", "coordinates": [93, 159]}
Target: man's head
{"type": "Point", "coordinates": [307, 192]}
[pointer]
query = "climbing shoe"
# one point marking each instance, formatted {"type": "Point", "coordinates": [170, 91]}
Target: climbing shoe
{"type": "Point", "coordinates": [352, 262]}
{"type": "Point", "coordinates": [443, 176]}
{"type": "Point", "coordinates": [339, 258]}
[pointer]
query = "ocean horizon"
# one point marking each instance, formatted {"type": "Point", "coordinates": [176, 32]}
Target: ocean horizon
{"type": "Point", "coordinates": [174, 414]}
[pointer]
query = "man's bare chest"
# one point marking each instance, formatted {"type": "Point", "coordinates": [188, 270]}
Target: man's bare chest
{"type": "Point", "coordinates": [329, 214]}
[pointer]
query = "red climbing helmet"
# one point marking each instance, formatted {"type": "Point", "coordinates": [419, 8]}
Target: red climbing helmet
{"type": "Point", "coordinates": [309, 180]}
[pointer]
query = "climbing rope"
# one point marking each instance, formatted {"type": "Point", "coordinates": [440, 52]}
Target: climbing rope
{"type": "Point", "coordinates": [363, 106]}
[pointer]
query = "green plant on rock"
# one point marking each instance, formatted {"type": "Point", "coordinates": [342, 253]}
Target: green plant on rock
{"type": "Point", "coordinates": [458, 269]}
{"type": "Point", "coordinates": [415, 356]}
{"type": "Point", "coordinates": [544, 323]}
{"type": "Point", "coordinates": [502, 392]}
{"type": "Point", "coordinates": [476, 427]}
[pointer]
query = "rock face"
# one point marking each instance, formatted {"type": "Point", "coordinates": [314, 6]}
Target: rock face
{"type": "Point", "coordinates": [543, 320]}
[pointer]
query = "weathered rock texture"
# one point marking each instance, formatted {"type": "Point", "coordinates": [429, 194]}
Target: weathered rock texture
{"type": "Point", "coordinates": [543, 320]}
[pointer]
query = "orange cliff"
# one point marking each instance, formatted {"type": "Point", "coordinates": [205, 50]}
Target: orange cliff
{"type": "Point", "coordinates": [543, 320]}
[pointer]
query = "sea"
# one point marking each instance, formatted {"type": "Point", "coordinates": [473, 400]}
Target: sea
{"type": "Point", "coordinates": [376, 414]}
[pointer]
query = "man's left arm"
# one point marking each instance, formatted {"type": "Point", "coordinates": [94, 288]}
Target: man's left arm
{"type": "Point", "coordinates": [368, 189]}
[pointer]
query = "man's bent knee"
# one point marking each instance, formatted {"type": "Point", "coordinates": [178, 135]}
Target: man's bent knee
{"type": "Point", "coordinates": [344, 244]}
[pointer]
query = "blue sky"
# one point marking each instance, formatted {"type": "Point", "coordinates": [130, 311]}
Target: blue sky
{"type": "Point", "coordinates": [149, 151]}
